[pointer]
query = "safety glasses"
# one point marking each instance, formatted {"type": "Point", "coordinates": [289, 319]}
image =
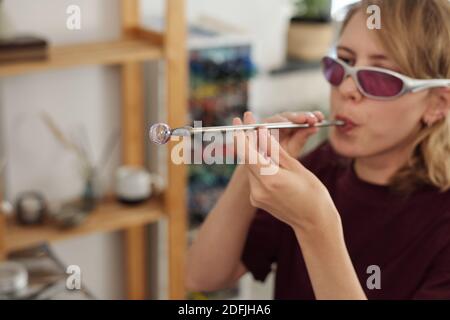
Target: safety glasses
{"type": "Point", "coordinates": [376, 83]}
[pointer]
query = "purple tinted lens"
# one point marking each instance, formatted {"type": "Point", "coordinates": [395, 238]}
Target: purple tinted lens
{"type": "Point", "coordinates": [333, 71]}
{"type": "Point", "coordinates": [379, 84]}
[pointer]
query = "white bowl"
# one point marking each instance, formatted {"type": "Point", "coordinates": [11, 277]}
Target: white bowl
{"type": "Point", "coordinates": [133, 184]}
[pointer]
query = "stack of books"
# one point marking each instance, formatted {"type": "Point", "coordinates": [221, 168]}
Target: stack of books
{"type": "Point", "coordinates": [22, 48]}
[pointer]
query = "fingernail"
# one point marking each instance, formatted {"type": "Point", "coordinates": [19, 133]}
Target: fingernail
{"type": "Point", "coordinates": [310, 115]}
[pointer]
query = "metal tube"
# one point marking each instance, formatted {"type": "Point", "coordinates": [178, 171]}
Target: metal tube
{"type": "Point", "coordinates": [274, 125]}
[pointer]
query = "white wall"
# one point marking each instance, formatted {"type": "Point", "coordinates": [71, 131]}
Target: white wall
{"type": "Point", "coordinates": [265, 23]}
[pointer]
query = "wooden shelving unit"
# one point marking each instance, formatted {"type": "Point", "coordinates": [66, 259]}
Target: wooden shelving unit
{"type": "Point", "coordinates": [135, 46]}
{"type": "Point", "coordinates": [107, 53]}
{"type": "Point", "coordinates": [108, 216]}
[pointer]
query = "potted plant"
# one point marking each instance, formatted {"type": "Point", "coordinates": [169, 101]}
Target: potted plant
{"type": "Point", "coordinates": [310, 30]}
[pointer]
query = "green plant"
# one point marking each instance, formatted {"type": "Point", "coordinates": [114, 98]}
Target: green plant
{"type": "Point", "coordinates": [312, 9]}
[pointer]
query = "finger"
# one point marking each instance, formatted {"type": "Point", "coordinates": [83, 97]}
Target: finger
{"type": "Point", "coordinates": [265, 147]}
{"type": "Point", "coordinates": [246, 143]}
{"type": "Point", "coordinates": [311, 118]}
{"type": "Point", "coordinates": [251, 147]}
{"type": "Point", "coordinates": [247, 150]}
{"type": "Point", "coordinates": [253, 181]}
{"type": "Point", "coordinates": [254, 139]}
{"type": "Point", "coordinates": [239, 142]}
{"type": "Point", "coordinates": [262, 141]}
{"type": "Point", "coordinates": [300, 138]}
{"type": "Point", "coordinates": [280, 118]}
{"type": "Point", "coordinates": [276, 118]}
{"type": "Point", "coordinates": [258, 164]}
{"type": "Point", "coordinates": [301, 117]}
{"type": "Point", "coordinates": [319, 115]}
{"type": "Point", "coordinates": [249, 118]}
{"type": "Point", "coordinates": [237, 121]}
{"type": "Point", "coordinates": [280, 156]}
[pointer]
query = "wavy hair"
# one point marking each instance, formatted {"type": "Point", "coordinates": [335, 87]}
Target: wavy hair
{"type": "Point", "coordinates": [416, 34]}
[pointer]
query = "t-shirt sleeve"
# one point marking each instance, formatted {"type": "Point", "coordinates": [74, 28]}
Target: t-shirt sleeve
{"type": "Point", "coordinates": [262, 245]}
{"type": "Point", "coordinates": [436, 285]}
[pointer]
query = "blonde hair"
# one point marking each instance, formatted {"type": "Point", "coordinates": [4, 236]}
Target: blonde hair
{"type": "Point", "coordinates": [416, 34]}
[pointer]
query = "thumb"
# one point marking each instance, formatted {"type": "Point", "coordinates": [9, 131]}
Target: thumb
{"type": "Point", "coordinates": [300, 138]}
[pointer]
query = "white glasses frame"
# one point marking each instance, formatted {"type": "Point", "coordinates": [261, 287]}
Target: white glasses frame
{"type": "Point", "coordinates": [409, 84]}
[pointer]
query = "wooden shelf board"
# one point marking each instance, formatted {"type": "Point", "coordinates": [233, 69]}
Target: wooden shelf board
{"type": "Point", "coordinates": [109, 216]}
{"type": "Point", "coordinates": [105, 53]}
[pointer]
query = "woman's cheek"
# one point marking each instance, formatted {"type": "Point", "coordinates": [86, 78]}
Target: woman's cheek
{"type": "Point", "coordinates": [376, 135]}
{"type": "Point", "coordinates": [346, 146]}
{"type": "Point", "coordinates": [384, 124]}
{"type": "Point", "coordinates": [367, 139]}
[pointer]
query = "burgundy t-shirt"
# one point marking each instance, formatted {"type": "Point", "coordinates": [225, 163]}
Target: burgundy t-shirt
{"type": "Point", "coordinates": [408, 238]}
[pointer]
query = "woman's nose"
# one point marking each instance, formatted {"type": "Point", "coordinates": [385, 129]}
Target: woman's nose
{"type": "Point", "coordinates": [349, 90]}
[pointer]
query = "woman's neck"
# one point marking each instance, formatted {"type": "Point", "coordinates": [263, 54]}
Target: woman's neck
{"type": "Point", "coordinates": [379, 169]}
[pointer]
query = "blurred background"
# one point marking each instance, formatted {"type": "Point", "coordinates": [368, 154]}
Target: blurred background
{"type": "Point", "coordinates": [60, 124]}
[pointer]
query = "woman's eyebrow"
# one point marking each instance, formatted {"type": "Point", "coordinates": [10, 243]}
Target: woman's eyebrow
{"type": "Point", "coordinates": [346, 49]}
{"type": "Point", "coordinates": [376, 56]}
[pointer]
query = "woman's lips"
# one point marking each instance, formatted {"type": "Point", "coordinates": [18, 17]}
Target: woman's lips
{"type": "Point", "coordinates": [349, 124]}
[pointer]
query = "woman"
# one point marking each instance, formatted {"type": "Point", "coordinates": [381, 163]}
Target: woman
{"type": "Point", "coordinates": [366, 214]}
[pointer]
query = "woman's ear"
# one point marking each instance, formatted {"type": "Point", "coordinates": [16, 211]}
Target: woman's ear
{"type": "Point", "coordinates": [439, 106]}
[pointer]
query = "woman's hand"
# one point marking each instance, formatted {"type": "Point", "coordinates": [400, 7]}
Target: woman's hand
{"type": "Point", "coordinates": [295, 196]}
{"type": "Point", "coordinates": [279, 183]}
{"type": "Point", "coordinates": [293, 140]}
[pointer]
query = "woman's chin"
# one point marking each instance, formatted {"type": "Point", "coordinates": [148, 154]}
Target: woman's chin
{"type": "Point", "coordinates": [344, 147]}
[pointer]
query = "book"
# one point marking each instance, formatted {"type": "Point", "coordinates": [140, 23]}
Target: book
{"type": "Point", "coordinates": [23, 47]}
{"type": "Point", "coordinates": [21, 42]}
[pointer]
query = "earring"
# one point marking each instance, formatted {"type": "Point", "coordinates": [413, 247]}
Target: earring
{"type": "Point", "coordinates": [426, 122]}
{"type": "Point", "coordinates": [441, 115]}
